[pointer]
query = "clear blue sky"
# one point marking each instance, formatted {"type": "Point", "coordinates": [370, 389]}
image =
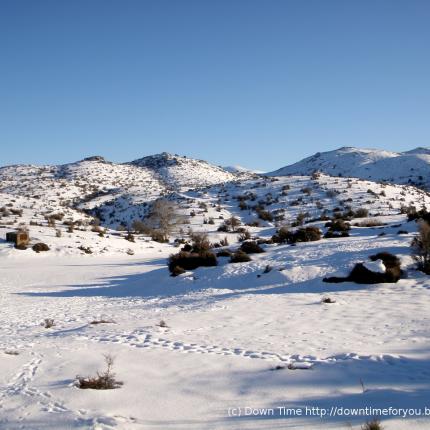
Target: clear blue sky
{"type": "Point", "coordinates": [257, 83]}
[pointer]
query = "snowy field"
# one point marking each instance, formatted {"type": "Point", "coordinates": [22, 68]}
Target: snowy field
{"type": "Point", "coordinates": [238, 344]}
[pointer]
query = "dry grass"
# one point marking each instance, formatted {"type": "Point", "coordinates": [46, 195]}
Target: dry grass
{"type": "Point", "coordinates": [103, 381]}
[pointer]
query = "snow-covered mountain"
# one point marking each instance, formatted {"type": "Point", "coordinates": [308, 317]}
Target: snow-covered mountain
{"type": "Point", "coordinates": [410, 167]}
{"type": "Point", "coordinates": [115, 192]}
{"type": "Point", "coordinates": [177, 172]}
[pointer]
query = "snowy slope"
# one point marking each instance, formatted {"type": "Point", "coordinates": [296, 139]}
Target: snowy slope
{"type": "Point", "coordinates": [244, 335]}
{"type": "Point", "coordinates": [397, 167]}
{"type": "Point", "coordinates": [117, 193]}
{"type": "Point", "coordinates": [178, 172]}
{"type": "Point", "coordinates": [237, 335]}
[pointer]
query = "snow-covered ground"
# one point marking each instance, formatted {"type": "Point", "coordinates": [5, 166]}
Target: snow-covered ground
{"type": "Point", "coordinates": [237, 340]}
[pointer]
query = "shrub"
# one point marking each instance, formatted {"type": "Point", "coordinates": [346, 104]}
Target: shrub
{"type": "Point", "coordinates": [190, 261]}
{"type": "Point", "coordinates": [224, 253]}
{"type": "Point", "coordinates": [233, 222]}
{"type": "Point", "coordinates": [177, 270]}
{"type": "Point", "coordinates": [200, 242]}
{"type": "Point", "coordinates": [129, 237]}
{"type": "Point", "coordinates": [103, 381]}
{"type": "Point", "coordinates": [370, 223]}
{"type": "Point", "coordinates": [330, 234]}
{"type": "Point", "coordinates": [158, 236]}
{"type": "Point", "coordinates": [251, 247]}
{"type": "Point", "coordinates": [300, 219]}
{"type": "Point", "coordinates": [139, 226]}
{"type": "Point", "coordinates": [361, 275]}
{"type": "Point", "coordinates": [361, 213]}
{"type": "Point", "coordinates": [281, 235]}
{"type": "Point", "coordinates": [48, 323]}
{"type": "Point", "coordinates": [40, 247]}
{"type": "Point", "coordinates": [307, 234]}
{"type": "Point", "coordinates": [265, 215]}
{"type": "Point", "coordinates": [339, 225]}
{"type": "Point", "coordinates": [224, 242]}
{"type": "Point", "coordinates": [224, 228]}
{"type": "Point", "coordinates": [421, 248]}
{"type": "Point", "coordinates": [372, 425]}
{"type": "Point", "coordinates": [240, 257]}
{"type": "Point", "coordinates": [246, 235]}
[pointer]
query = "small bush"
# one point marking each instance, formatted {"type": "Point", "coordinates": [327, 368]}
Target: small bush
{"type": "Point", "coordinates": [251, 247]}
{"type": "Point", "coordinates": [103, 381]}
{"type": "Point", "coordinates": [40, 247]}
{"type": "Point", "coordinates": [246, 235]}
{"type": "Point", "coordinates": [361, 275]}
{"type": "Point", "coordinates": [281, 235]}
{"type": "Point", "coordinates": [85, 249]}
{"type": "Point", "coordinates": [190, 261]}
{"type": "Point", "coordinates": [240, 257]}
{"type": "Point", "coordinates": [177, 270]}
{"type": "Point", "coordinates": [307, 234]}
{"type": "Point", "coordinates": [361, 213]}
{"type": "Point", "coordinates": [48, 323]}
{"type": "Point", "coordinates": [370, 223]}
{"type": "Point", "coordinates": [372, 425]}
{"type": "Point", "coordinates": [339, 225]}
{"type": "Point", "coordinates": [421, 248]}
{"type": "Point", "coordinates": [265, 215]}
{"type": "Point", "coordinates": [200, 242]}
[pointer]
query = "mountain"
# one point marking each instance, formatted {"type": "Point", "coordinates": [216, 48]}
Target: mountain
{"type": "Point", "coordinates": [410, 167]}
{"type": "Point", "coordinates": [177, 172]}
{"type": "Point", "coordinates": [116, 192]}
{"type": "Point", "coordinates": [242, 170]}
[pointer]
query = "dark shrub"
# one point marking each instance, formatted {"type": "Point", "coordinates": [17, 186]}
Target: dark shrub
{"type": "Point", "coordinates": [40, 247]}
{"type": "Point", "coordinates": [246, 235]}
{"type": "Point", "coordinates": [240, 257]}
{"type": "Point", "coordinates": [330, 234]}
{"type": "Point", "coordinates": [177, 270]}
{"type": "Point", "coordinates": [200, 242]}
{"type": "Point", "coordinates": [421, 248]}
{"type": "Point", "coordinates": [265, 215]}
{"type": "Point", "coordinates": [307, 234]}
{"type": "Point", "coordinates": [372, 425]}
{"type": "Point", "coordinates": [251, 247]}
{"type": "Point", "coordinates": [361, 213]}
{"type": "Point", "coordinates": [361, 275]}
{"type": "Point", "coordinates": [281, 235]}
{"type": "Point", "coordinates": [191, 260]}
{"type": "Point", "coordinates": [223, 253]}
{"type": "Point", "coordinates": [339, 225]}
{"type": "Point", "coordinates": [187, 248]}
{"type": "Point", "coordinates": [223, 228]}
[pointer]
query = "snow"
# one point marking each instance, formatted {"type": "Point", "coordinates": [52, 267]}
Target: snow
{"type": "Point", "coordinates": [410, 167]}
{"type": "Point", "coordinates": [375, 266]}
{"type": "Point", "coordinates": [237, 336]}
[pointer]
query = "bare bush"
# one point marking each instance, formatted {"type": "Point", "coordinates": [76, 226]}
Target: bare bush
{"type": "Point", "coordinates": [103, 381]}
{"type": "Point", "coordinates": [421, 248]}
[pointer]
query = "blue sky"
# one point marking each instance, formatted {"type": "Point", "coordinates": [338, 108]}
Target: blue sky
{"type": "Point", "coordinates": [257, 83]}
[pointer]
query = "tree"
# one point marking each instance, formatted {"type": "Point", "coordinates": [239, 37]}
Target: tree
{"type": "Point", "coordinates": [162, 219]}
{"type": "Point", "coordinates": [421, 247]}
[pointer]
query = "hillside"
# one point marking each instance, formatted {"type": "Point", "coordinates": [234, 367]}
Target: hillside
{"type": "Point", "coordinates": [117, 193]}
{"type": "Point", "coordinates": [410, 167]}
{"type": "Point", "coordinates": [253, 328]}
